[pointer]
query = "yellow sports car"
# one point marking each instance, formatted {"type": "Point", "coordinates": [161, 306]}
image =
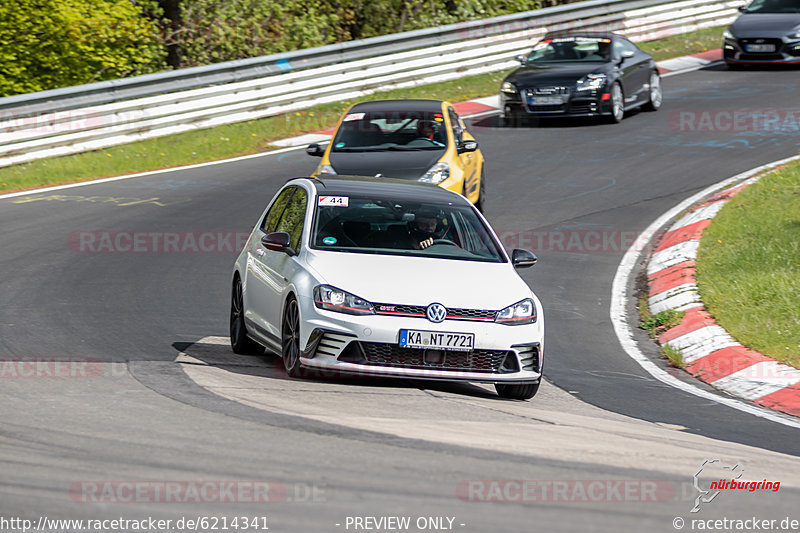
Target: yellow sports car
{"type": "Point", "coordinates": [422, 140]}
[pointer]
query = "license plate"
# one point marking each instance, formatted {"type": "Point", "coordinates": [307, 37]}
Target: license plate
{"type": "Point", "coordinates": [760, 47]}
{"type": "Point", "coordinates": [545, 100]}
{"type": "Point", "coordinates": [437, 340]}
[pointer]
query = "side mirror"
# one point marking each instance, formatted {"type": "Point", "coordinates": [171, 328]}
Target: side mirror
{"type": "Point", "coordinates": [277, 242]}
{"type": "Point", "coordinates": [742, 9]}
{"type": "Point", "coordinates": [468, 146]}
{"type": "Point", "coordinates": [522, 258]}
{"type": "Point", "coordinates": [522, 59]}
{"type": "Point", "coordinates": [315, 150]}
{"type": "Point", "coordinates": [626, 54]}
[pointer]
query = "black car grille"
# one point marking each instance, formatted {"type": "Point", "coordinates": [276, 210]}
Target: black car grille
{"type": "Point", "coordinates": [548, 91]}
{"type": "Point", "coordinates": [583, 109]}
{"type": "Point", "coordinates": [539, 108]}
{"type": "Point", "coordinates": [481, 315]}
{"type": "Point", "coordinates": [760, 56]}
{"type": "Point", "coordinates": [485, 361]}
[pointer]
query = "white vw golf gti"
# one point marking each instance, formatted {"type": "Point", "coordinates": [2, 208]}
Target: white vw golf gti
{"type": "Point", "coordinates": [386, 278]}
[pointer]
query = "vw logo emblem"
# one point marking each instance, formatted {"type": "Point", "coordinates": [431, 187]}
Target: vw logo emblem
{"type": "Point", "coordinates": [436, 312]}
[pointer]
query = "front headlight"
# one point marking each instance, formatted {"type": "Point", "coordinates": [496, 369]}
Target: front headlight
{"type": "Point", "coordinates": [333, 299]}
{"type": "Point", "coordinates": [794, 35]}
{"type": "Point", "coordinates": [523, 312]}
{"type": "Point", "coordinates": [727, 35]}
{"type": "Point", "coordinates": [592, 82]}
{"type": "Point", "coordinates": [326, 169]}
{"type": "Point", "coordinates": [436, 174]}
{"type": "Point", "coordinates": [508, 87]}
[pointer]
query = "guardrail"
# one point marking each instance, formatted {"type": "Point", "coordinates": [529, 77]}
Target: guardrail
{"type": "Point", "coordinates": [93, 116]}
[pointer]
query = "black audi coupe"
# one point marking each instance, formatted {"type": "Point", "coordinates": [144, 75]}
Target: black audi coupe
{"type": "Point", "coordinates": [581, 74]}
{"type": "Point", "coordinates": [767, 31]}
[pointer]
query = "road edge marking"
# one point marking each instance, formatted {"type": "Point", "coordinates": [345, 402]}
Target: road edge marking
{"type": "Point", "coordinates": [620, 296]}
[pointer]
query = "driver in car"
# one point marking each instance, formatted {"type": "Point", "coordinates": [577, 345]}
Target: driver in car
{"type": "Point", "coordinates": [423, 228]}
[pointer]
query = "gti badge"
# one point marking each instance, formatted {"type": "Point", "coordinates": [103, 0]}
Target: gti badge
{"type": "Point", "coordinates": [436, 312]}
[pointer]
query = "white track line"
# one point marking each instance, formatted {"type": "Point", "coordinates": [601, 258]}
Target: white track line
{"type": "Point", "coordinates": [620, 297]}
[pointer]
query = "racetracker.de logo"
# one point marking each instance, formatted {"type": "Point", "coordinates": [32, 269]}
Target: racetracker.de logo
{"type": "Point", "coordinates": [52, 367]}
{"type": "Point", "coordinates": [734, 121]}
{"type": "Point", "coordinates": [203, 492]}
{"type": "Point", "coordinates": [157, 242]}
{"type": "Point", "coordinates": [572, 491]}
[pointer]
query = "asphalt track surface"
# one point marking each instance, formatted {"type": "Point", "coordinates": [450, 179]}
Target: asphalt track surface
{"type": "Point", "coordinates": [141, 418]}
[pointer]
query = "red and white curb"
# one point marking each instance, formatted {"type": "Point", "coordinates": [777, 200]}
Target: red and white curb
{"type": "Point", "coordinates": [670, 67]}
{"type": "Point", "coordinates": [709, 352]}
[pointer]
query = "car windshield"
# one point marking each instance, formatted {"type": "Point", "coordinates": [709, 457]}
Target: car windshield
{"type": "Point", "coordinates": [774, 6]}
{"type": "Point", "coordinates": [571, 50]}
{"type": "Point", "coordinates": [377, 131]}
{"type": "Point", "coordinates": [377, 225]}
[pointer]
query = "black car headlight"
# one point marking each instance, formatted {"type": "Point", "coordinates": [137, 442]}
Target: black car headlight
{"type": "Point", "coordinates": [508, 88]}
{"type": "Point", "coordinates": [728, 35]}
{"type": "Point", "coordinates": [523, 312]}
{"type": "Point", "coordinates": [592, 82]}
{"type": "Point", "coordinates": [333, 299]}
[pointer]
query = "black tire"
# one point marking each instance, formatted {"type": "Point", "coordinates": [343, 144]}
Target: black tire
{"type": "Point", "coordinates": [290, 339]}
{"type": "Point", "coordinates": [617, 104]}
{"type": "Point", "coordinates": [517, 392]}
{"type": "Point", "coordinates": [656, 96]}
{"type": "Point", "coordinates": [481, 203]}
{"type": "Point", "coordinates": [240, 342]}
{"type": "Point", "coordinates": [511, 120]}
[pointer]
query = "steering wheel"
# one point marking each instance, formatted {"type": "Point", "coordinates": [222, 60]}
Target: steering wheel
{"type": "Point", "coordinates": [444, 241]}
{"type": "Point", "coordinates": [430, 141]}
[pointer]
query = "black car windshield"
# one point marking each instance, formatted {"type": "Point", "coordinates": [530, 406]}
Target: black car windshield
{"type": "Point", "coordinates": [774, 6]}
{"type": "Point", "coordinates": [377, 131]}
{"type": "Point", "coordinates": [571, 50]}
{"type": "Point", "coordinates": [377, 225]}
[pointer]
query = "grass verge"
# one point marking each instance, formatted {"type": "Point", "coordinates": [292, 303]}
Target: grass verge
{"type": "Point", "coordinates": [685, 44]}
{"type": "Point", "coordinates": [251, 137]}
{"type": "Point", "coordinates": [748, 266]}
{"type": "Point", "coordinates": [673, 356]}
{"type": "Point", "coordinates": [658, 323]}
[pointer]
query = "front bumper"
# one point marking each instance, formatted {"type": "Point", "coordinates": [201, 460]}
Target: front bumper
{"type": "Point", "coordinates": [368, 346]}
{"type": "Point", "coordinates": [786, 51]}
{"type": "Point", "coordinates": [575, 104]}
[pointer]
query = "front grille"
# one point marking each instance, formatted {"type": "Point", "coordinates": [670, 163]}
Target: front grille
{"type": "Point", "coordinates": [482, 315]}
{"type": "Point", "coordinates": [529, 357]}
{"type": "Point", "coordinates": [540, 108]}
{"type": "Point", "coordinates": [760, 56]}
{"type": "Point", "coordinates": [392, 355]}
{"type": "Point", "coordinates": [548, 91]}
{"type": "Point", "coordinates": [331, 344]}
{"type": "Point", "coordinates": [583, 109]}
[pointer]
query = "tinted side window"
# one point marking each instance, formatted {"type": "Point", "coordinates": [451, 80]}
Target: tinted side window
{"type": "Point", "coordinates": [454, 120]}
{"type": "Point", "coordinates": [293, 218]}
{"type": "Point", "coordinates": [274, 214]}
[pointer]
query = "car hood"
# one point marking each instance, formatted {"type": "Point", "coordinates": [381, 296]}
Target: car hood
{"type": "Point", "coordinates": [404, 165]}
{"type": "Point", "coordinates": [562, 75]}
{"type": "Point", "coordinates": [420, 280]}
{"type": "Point", "coordinates": [765, 24]}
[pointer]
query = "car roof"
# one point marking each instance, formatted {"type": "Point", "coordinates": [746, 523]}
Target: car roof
{"type": "Point", "coordinates": [399, 105]}
{"type": "Point", "coordinates": [594, 34]}
{"type": "Point", "coordinates": [400, 189]}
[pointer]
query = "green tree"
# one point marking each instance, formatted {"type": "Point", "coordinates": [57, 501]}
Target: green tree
{"type": "Point", "coordinates": [46, 44]}
{"type": "Point", "coordinates": [212, 31]}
